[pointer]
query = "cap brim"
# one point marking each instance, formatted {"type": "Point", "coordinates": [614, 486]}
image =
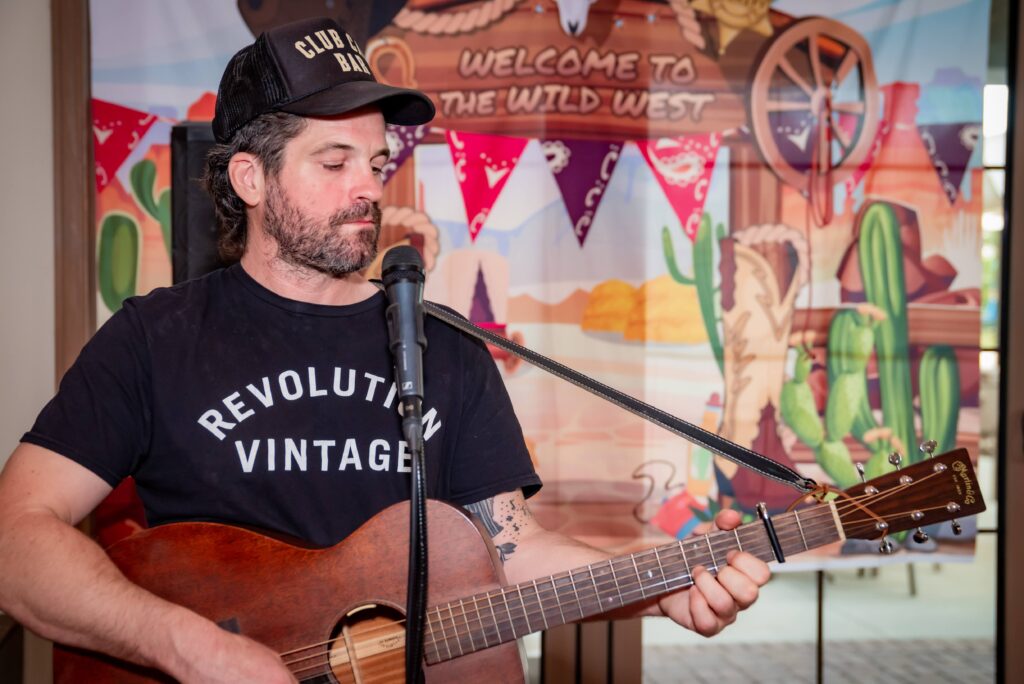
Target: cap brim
{"type": "Point", "coordinates": [399, 105]}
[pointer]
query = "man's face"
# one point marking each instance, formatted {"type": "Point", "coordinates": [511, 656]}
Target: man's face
{"type": "Point", "coordinates": [321, 207]}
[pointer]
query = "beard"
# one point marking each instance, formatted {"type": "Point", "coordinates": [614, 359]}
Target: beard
{"type": "Point", "coordinates": [322, 245]}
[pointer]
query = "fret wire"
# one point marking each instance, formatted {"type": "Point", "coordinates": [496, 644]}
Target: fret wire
{"type": "Point", "coordinates": [536, 592]}
{"type": "Point", "coordinates": [469, 629]}
{"type": "Point", "coordinates": [796, 516]}
{"type": "Point", "coordinates": [736, 532]}
{"type": "Point", "coordinates": [441, 625]}
{"type": "Point", "coordinates": [615, 581]}
{"type": "Point", "coordinates": [458, 639]}
{"type": "Point", "coordinates": [576, 594]}
{"type": "Point", "coordinates": [682, 551]}
{"type": "Point", "coordinates": [597, 592]}
{"type": "Point", "coordinates": [494, 616]}
{"type": "Point", "coordinates": [714, 562]}
{"type": "Point", "coordinates": [558, 603]}
{"type": "Point", "coordinates": [529, 629]}
{"type": "Point", "coordinates": [511, 620]}
{"type": "Point", "coordinates": [639, 581]}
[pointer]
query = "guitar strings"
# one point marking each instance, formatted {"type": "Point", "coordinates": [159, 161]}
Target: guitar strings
{"type": "Point", "coordinates": [673, 566]}
{"type": "Point", "coordinates": [538, 600]}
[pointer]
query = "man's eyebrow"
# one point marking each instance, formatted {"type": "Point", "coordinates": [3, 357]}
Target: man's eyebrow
{"type": "Point", "coordinates": [345, 147]}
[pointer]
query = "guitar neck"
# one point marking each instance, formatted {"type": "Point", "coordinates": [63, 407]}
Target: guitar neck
{"type": "Point", "coordinates": [497, 616]}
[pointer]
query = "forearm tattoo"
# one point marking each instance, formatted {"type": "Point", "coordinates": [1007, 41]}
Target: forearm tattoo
{"type": "Point", "coordinates": [503, 516]}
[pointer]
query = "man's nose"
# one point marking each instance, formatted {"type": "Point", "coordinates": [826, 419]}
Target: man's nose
{"type": "Point", "coordinates": [369, 186]}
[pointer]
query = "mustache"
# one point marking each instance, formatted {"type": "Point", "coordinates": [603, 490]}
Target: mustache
{"type": "Point", "coordinates": [360, 211]}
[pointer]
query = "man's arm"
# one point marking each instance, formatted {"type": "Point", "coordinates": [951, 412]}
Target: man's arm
{"type": "Point", "coordinates": [529, 551]}
{"type": "Point", "coordinates": [60, 584]}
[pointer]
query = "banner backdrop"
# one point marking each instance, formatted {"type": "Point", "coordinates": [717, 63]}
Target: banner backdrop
{"type": "Point", "coordinates": [669, 195]}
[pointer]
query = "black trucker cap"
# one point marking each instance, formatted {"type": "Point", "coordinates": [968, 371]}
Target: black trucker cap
{"type": "Point", "coordinates": [310, 67]}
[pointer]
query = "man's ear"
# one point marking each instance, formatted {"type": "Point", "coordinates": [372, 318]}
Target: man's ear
{"type": "Point", "coordinates": [246, 174]}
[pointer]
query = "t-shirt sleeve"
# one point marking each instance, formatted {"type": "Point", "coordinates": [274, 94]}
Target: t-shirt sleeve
{"type": "Point", "coordinates": [491, 456]}
{"type": "Point", "coordinates": [100, 416]}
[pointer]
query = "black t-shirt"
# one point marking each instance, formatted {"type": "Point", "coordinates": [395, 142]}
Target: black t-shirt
{"type": "Point", "coordinates": [227, 402]}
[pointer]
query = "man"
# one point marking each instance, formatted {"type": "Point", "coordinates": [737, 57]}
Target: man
{"type": "Point", "coordinates": [261, 394]}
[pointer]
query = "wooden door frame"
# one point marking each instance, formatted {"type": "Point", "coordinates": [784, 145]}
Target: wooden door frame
{"type": "Point", "coordinates": [1010, 468]}
{"type": "Point", "coordinates": [74, 182]}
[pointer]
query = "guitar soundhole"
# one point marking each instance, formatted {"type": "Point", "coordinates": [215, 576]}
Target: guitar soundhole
{"type": "Point", "coordinates": [368, 645]}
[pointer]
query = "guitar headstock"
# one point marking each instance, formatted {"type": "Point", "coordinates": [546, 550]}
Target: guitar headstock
{"type": "Point", "coordinates": [934, 490]}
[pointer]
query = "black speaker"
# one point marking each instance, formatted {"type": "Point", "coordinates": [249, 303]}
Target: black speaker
{"type": "Point", "coordinates": [193, 220]}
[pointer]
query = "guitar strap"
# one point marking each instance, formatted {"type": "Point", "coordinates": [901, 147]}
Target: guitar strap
{"type": "Point", "coordinates": [709, 440]}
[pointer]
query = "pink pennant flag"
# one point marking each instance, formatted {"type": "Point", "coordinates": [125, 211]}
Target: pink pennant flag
{"type": "Point", "coordinates": [582, 169]}
{"type": "Point", "coordinates": [483, 164]}
{"type": "Point", "coordinates": [858, 173]}
{"type": "Point", "coordinates": [116, 131]}
{"type": "Point", "coordinates": [683, 167]}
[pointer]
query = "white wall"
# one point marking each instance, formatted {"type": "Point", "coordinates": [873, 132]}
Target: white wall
{"type": "Point", "coordinates": [26, 218]}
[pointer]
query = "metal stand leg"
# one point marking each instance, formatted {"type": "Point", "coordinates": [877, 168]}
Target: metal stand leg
{"type": "Point", "coordinates": [819, 656]}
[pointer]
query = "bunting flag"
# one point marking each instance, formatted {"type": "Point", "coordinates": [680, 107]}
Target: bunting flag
{"type": "Point", "coordinates": [950, 147]}
{"type": "Point", "coordinates": [683, 167]}
{"type": "Point", "coordinates": [483, 164]}
{"type": "Point", "coordinates": [582, 169]}
{"type": "Point", "coordinates": [402, 140]}
{"type": "Point", "coordinates": [116, 131]}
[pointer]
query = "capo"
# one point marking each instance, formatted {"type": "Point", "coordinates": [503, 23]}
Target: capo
{"type": "Point", "coordinates": [762, 512]}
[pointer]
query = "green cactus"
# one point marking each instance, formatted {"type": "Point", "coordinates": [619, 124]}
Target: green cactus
{"type": "Point", "coordinates": [939, 381]}
{"type": "Point", "coordinates": [852, 338]}
{"type": "Point", "coordinates": [143, 182]}
{"type": "Point", "coordinates": [703, 278]}
{"type": "Point", "coordinates": [880, 252]}
{"type": "Point", "coordinates": [117, 258]}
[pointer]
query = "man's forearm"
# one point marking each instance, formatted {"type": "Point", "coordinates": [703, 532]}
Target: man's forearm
{"type": "Point", "coordinates": [60, 584]}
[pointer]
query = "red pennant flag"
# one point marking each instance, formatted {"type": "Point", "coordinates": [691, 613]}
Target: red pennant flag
{"type": "Point", "coordinates": [483, 164]}
{"type": "Point", "coordinates": [683, 167]}
{"type": "Point", "coordinates": [858, 173]}
{"type": "Point", "coordinates": [116, 130]}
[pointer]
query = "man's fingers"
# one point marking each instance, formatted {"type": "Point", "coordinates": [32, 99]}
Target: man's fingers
{"type": "Point", "coordinates": [705, 622]}
{"type": "Point", "coordinates": [714, 594]}
{"type": "Point", "coordinates": [742, 589]}
{"type": "Point", "coordinates": [751, 566]}
{"type": "Point", "coordinates": [727, 519]}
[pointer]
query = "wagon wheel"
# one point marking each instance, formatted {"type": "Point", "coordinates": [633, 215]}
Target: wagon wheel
{"type": "Point", "coordinates": [814, 108]}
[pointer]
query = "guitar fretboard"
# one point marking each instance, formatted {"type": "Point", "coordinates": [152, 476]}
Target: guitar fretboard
{"type": "Point", "coordinates": [494, 617]}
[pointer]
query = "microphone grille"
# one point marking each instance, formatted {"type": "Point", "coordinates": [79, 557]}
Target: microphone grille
{"type": "Point", "coordinates": [402, 262]}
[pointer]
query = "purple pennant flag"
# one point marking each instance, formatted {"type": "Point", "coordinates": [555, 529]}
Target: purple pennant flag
{"type": "Point", "coordinates": [582, 169]}
{"type": "Point", "coordinates": [401, 141]}
{"type": "Point", "coordinates": [950, 147]}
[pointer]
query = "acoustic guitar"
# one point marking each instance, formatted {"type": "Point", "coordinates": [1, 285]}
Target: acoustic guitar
{"type": "Point", "coordinates": [335, 614]}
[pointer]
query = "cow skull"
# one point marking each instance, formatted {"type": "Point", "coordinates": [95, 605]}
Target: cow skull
{"type": "Point", "coordinates": [572, 15]}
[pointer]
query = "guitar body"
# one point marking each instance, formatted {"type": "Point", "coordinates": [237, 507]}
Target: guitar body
{"type": "Point", "coordinates": [314, 606]}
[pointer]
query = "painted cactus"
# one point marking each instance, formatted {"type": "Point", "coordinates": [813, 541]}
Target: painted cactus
{"type": "Point", "coordinates": [879, 326]}
{"type": "Point", "coordinates": [703, 278]}
{"type": "Point", "coordinates": [117, 258]}
{"type": "Point", "coordinates": [143, 182]}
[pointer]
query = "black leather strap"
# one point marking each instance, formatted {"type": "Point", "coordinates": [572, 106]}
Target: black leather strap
{"type": "Point", "coordinates": [709, 440]}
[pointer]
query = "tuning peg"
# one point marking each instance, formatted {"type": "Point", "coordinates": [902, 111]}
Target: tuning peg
{"type": "Point", "coordinates": [896, 459]}
{"type": "Point", "coordinates": [920, 536]}
{"type": "Point", "coordinates": [886, 547]}
{"type": "Point", "coordinates": [860, 471]}
{"type": "Point", "coordinates": [928, 448]}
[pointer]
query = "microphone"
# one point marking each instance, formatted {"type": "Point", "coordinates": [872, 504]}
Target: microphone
{"type": "Point", "coordinates": [402, 274]}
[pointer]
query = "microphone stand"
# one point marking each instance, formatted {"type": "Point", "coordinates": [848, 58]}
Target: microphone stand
{"type": "Point", "coordinates": [416, 600]}
{"type": "Point", "coordinates": [402, 275]}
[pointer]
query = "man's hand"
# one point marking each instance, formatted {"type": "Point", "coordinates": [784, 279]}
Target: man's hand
{"type": "Point", "coordinates": [713, 601]}
{"type": "Point", "coordinates": [220, 657]}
